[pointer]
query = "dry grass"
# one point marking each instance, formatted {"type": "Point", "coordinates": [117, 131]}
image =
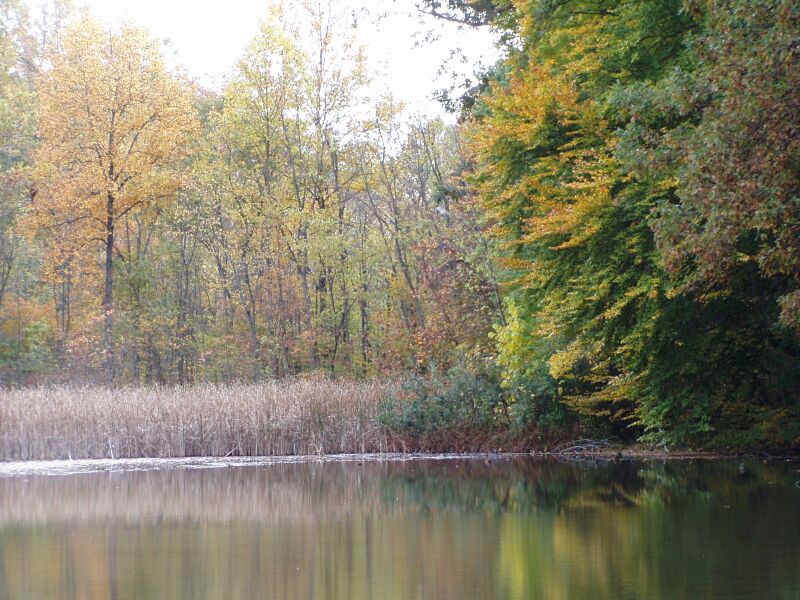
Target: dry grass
{"type": "Point", "coordinates": [276, 418]}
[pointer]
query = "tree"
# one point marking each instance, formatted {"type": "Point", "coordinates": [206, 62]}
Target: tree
{"type": "Point", "coordinates": [622, 137]}
{"type": "Point", "coordinates": [474, 13]}
{"type": "Point", "coordinates": [114, 126]}
{"type": "Point", "coordinates": [16, 133]}
{"type": "Point", "coordinates": [736, 166]}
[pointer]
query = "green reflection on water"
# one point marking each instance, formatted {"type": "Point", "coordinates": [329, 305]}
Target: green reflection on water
{"type": "Point", "coordinates": [428, 530]}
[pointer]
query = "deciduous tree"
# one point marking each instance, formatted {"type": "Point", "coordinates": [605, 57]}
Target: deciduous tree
{"type": "Point", "coordinates": [114, 127]}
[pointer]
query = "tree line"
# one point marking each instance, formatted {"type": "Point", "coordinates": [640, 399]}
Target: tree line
{"type": "Point", "coordinates": [608, 240]}
{"type": "Point", "coordinates": [159, 232]}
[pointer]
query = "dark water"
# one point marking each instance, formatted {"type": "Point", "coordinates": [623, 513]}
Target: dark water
{"type": "Point", "coordinates": [423, 529]}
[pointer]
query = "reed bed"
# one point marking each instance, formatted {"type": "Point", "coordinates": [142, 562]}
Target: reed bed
{"type": "Point", "coordinates": [267, 419]}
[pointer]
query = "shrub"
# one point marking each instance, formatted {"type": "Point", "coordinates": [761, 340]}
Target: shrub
{"type": "Point", "coordinates": [461, 397]}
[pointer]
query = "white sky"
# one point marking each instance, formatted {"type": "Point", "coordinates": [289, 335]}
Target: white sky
{"type": "Point", "coordinates": [208, 37]}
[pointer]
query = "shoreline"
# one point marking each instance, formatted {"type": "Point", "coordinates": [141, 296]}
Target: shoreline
{"type": "Point", "coordinates": [278, 419]}
{"type": "Point", "coordinates": [606, 455]}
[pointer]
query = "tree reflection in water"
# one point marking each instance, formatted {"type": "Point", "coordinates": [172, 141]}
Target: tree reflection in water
{"type": "Point", "coordinates": [511, 529]}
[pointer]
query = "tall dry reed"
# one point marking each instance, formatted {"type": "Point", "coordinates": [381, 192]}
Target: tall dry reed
{"type": "Point", "coordinates": [266, 419]}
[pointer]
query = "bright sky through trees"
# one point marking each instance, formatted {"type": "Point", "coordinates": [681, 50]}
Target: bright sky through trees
{"type": "Point", "coordinates": [209, 36]}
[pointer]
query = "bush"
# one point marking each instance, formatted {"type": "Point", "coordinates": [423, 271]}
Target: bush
{"type": "Point", "coordinates": [535, 402]}
{"type": "Point", "coordinates": [461, 397]}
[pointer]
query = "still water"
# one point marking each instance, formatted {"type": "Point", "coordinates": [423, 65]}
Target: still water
{"type": "Point", "coordinates": [428, 529]}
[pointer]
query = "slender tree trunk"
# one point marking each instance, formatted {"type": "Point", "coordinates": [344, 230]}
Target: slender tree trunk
{"type": "Point", "coordinates": [249, 306]}
{"type": "Point", "coordinates": [364, 327]}
{"type": "Point", "coordinates": [184, 301]}
{"type": "Point", "coordinates": [5, 273]}
{"type": "Point", "coordinates": [108, 296]}
{"type": "Point", "coordinates": [307, 313]}
{"type": "Point", "coordinates": [287, 367]}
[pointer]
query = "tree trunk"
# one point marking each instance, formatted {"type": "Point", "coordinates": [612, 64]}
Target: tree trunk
{"type": "Point", "coordinates": [364, 328]}
{"type": "Point", "coordinates": [307, 313]}
{"type": "Point", "coordinates": [108, 296]}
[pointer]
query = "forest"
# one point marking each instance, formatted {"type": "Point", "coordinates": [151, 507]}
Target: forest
{"type": "Point", "coordinates": [603, 242]}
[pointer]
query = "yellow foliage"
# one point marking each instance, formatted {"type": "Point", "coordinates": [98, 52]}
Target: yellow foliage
{"type": "Point", "coordinates": [564, 192]}
{"type": "Point", "coordinates": [113, 125]}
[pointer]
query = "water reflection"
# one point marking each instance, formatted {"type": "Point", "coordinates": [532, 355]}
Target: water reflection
{"type": "Point", "coordinates": [460, 529]}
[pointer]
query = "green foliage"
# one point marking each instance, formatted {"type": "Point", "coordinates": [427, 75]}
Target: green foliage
{"type": "Point", "coordinates": [28, 355]}
{"type": "Point", "coordinates": [474, 13]}
{"type": "Point", "coordinates": [459, 398]}
{"type": "Point", "coordinates": [735, 166]}
{"type": "Point", "coordinates": [636, 168]}
{"type": "Point", "coordinates": [307, 226]}
{"type": "Point", "coordinates": [531, 391]}
{"type": "Point", "coordinates": [469, 398]}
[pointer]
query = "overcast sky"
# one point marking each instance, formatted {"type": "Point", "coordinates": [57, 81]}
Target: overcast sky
{"type": "Point", "coordinates": [208, 36]}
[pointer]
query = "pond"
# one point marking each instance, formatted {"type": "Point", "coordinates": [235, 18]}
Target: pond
{"type": "Point", "coordinates": [366, 528]}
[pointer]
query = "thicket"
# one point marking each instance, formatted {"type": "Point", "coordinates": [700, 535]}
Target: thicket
{"type": "Point", "coordinates": [469, 409]}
